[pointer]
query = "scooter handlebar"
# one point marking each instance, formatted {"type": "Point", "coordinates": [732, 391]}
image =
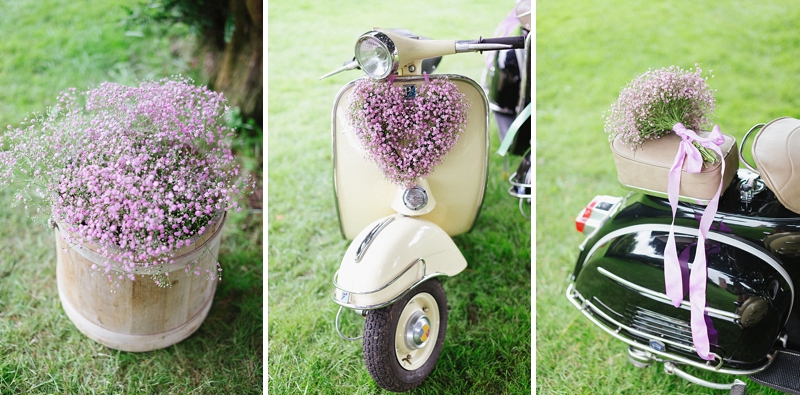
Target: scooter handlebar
{"type": "Point", "coordinates": [490, 44]}
{"type": "Point", "coordinates": [514, 41]}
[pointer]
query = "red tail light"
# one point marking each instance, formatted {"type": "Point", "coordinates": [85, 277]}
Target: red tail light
{"type": "Point", "coordinates": [580, 222]}
{"type": "Point", "coordinates": [595, 214]}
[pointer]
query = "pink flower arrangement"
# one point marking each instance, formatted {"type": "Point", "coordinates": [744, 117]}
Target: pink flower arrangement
{"type": "Point", "coordinates": [138, 171]}
{"type": "Point", "coordinates": [649, 106]}
{"type": "Point", "coordinates": [407, 137]}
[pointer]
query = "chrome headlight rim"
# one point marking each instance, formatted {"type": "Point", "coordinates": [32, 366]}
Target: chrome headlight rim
{"type": "Point", "coordinates": [385, 44]}
{"type": "Point", "coordinates": [415, 198]}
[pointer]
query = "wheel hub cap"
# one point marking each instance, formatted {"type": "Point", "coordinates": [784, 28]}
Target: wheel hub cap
{"type": "Point", "coordinates": [418, 330]}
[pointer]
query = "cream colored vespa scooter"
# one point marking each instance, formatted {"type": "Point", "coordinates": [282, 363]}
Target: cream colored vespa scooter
{"type": "Point", "coordinates": [402, 237]}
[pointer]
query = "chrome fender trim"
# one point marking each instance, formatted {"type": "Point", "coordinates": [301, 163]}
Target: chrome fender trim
{"type": "Point", "coordinates": [658, 296]}
{"type": "Point", "coordinates": [403, 254]}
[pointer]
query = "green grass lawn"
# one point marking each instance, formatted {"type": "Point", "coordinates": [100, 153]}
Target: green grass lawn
{"type": "Point", "coordinates": [488, 346]}
{"type": "Point", "coordinates": [49, 46]}
{"type": "Point", "coordinates": [586, 52]}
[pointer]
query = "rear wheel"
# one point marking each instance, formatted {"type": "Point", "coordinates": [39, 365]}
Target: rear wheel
{"type": "Point", "coordinates": [403, 341]}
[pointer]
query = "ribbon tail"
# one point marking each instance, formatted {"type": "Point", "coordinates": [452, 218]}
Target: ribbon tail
{"type": "Point", "coordinates": [672, 271]}
{"type": "Point", "coordinates": [673, 278]}
{"type": "Point", "coordinates": [697, 297]}
{"type": "Point", "coordinates": [698, 277]}
{"type": "Point", "coordinates": [683, 259]}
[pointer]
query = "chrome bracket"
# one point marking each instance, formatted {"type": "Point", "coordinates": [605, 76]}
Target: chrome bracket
{"type": "Point", "coordinates": [750, 187]}
{"type": "Point", "coordinates": [338, 330]}
{"type": "Point", "coordinates": [671, 368]}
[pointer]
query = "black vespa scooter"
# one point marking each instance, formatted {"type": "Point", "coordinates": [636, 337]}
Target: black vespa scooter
{"type": "Point", "coordinates": [753, 259]}
{"type": "Point", "coordinates": [506, 80]}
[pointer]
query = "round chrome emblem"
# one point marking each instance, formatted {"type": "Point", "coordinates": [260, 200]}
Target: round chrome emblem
{"type": "Point", "coordinates": [415, 198]}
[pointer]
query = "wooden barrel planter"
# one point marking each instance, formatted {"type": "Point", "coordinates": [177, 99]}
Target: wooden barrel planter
{"type": "Point", "coordinates": [138, 315]}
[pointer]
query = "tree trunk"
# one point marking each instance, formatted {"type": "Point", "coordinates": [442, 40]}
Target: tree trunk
{"type": "Point", "coordinates": [235, 68]}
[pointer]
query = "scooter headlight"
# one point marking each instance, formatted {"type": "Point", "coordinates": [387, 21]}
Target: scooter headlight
{"type": "Point", "coordinates": [376, 54]}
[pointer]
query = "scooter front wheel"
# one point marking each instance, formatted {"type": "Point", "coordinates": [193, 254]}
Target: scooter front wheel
{"type": "Point", "coordinates": [403, 341]}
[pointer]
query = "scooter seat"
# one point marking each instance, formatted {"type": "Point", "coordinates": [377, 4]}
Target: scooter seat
{"type": "Point", "coordinates": [776, 148]}
{"type": "Point", "coordinates": [646, 169]}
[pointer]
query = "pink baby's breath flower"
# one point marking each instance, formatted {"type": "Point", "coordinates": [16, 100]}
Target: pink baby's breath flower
{"type": "Point", "coordinates": [650, 105]}
{"type": "Point", "coordinates": [101, 161]}
{"type": "Point", "coordinates": [407, 138]}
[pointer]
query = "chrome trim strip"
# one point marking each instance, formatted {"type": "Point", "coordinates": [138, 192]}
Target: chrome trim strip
{"type": "Point", "coordinates": [362, 248]}
{"type": "Point", "coordinates": [333, 150]}
{"type": "Point", "coordinates": [659, 297]}
{"type": "Point", "coordinates": [424, 273]}
{"type": "Point", "coordinates": [573, 296]}
{"type": "Point", "coordinates": [379, 305]}
{"type": "Point", "coordinates": [738, 243]}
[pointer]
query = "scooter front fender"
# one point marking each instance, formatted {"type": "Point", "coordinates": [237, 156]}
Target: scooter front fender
{"type": "Point", "coordinates": [390, 257]}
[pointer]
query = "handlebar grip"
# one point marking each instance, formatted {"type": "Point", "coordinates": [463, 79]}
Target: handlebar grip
{"type": "Point", "coordinates": [514, 41]}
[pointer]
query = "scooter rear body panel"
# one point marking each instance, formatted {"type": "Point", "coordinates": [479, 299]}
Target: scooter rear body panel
{"type": "Point", "coordinates": [619, 279]}
{"type": "Point", "coordinates": [363, 195]}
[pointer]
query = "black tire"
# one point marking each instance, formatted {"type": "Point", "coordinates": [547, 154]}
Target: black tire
{"type": "Point", "coordinates": [380, 331]}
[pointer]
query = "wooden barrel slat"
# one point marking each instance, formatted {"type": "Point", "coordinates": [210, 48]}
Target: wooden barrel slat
{"type": "Point", "coordinates": [138, 315]}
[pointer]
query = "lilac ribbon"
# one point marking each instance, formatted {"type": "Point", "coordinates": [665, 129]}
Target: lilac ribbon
{"type": "Point", "coordinates": [673, 272]}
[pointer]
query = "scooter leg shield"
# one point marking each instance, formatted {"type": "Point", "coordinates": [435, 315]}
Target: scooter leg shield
{"type": "Point", "coordinates": [391, 256]}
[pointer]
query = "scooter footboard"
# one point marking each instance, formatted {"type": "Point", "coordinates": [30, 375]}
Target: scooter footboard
{"type": "Point", "coordinates": [620, 287]}
{"type": "Point", "coordinates": [390, 257]}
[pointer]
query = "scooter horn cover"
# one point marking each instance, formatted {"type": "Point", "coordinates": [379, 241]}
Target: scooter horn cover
{"type": "Point", "coordinates": [776, 148]}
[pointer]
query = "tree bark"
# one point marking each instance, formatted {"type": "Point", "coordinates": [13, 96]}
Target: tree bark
{"type": "Point", "coordinates": [235, 68]}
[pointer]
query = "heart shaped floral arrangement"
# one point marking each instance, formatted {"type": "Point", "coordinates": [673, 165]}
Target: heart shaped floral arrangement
{"type": "Point", "coordinates": [407, 136]}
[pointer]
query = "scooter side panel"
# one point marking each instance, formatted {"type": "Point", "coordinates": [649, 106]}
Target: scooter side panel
{"type": "Point", "coordinates": [405, 251]}
{"type": "Point", "coordinates": [749, 295]}
{"type": "Point", "coordinates": [458, 184]}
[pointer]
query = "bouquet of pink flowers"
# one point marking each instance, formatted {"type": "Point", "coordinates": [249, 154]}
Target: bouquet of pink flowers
{"type": "Point", "coordinates": [138, 171]}
{"type": "Point", "coordinates": [652, 104]}
{"type": "Point", "coordinates": [407, 137]}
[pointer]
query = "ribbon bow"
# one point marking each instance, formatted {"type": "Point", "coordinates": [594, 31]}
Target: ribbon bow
{"type": "Point", "coordinates": [674, 271]}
